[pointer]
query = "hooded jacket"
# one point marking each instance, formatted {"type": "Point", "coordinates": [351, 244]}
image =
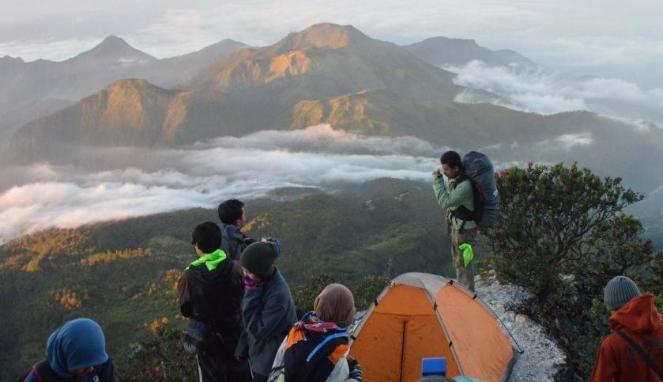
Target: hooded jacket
{"type": "Point", "coordinates": [77, 344]}
{"type": "Point", "coordinates": [214, 297]}
{"type": "Point", "coordinates": [616, 360]}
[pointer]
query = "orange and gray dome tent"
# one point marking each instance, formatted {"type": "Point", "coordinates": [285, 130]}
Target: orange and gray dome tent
{"type": "Point", "coordinates": [422, 315]}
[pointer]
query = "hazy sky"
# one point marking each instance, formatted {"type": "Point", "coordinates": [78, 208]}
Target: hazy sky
{"type": "Point", "coordinates": [613, 38]}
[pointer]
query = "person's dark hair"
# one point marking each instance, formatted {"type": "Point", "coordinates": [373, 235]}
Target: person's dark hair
{"type": "Point", "coordinates": [452, 159]}
{"type": "Point", "coordinates": [230, 211]}
{"type": "Point", "coordinates": [207, 237]}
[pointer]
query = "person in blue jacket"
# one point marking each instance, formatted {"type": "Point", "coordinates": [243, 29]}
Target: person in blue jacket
{"type": "Point", "coordinates": [76, 351]}
{"type": "Point", "coordinates": [268, 309]}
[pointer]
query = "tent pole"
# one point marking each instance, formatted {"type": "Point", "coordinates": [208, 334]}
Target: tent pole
{"type": "Point", "coordinates": [403, 349]}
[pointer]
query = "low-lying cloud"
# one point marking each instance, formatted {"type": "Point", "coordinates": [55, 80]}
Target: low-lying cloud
{"type": "Point", "coordinates": [45, 195]}
{"type": "Point", "coordinates": [115, 183]}
{"type": "Point", "coordinates": [548, 92]}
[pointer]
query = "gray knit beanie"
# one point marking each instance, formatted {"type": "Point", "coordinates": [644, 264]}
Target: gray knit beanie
{"type": "Point", "coordinates": [619, 291]}
{"type": "Point", "coordinates": [258, 258]}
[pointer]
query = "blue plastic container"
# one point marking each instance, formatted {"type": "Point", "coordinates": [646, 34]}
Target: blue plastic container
{"type": "Point", "coordinates": [434, 366]}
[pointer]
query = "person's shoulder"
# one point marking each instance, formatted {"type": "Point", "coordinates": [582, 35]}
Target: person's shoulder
{"type": "Point", "coordinates": [31, 376]}
{"type": "Point", "coordinates": [41, 371]}
{"type": "Point", "coordinates": [189, 273]}
{"type": "Point", "coordinates": [278, 286]}
{"type": "Point", "coordinates": [610, 342]}
{"type": "Point", "coordinates": [465, 181]}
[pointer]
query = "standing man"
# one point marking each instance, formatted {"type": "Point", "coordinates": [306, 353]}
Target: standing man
{"type": "Point", "coordinates": [232, 216]}
{"type": "Point", "coordinates": [634, 350]}
{"type": "Point", "coordinates": [456, 197]}
{"type": "Point", "coordinates": [210, 296]}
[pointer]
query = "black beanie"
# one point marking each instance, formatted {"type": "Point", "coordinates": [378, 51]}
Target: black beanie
{"type": "Point", "coordinates": [258, 258]}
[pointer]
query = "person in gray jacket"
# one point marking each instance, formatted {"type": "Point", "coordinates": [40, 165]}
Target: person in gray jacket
{"type": "Point", "coordinates": [268, 309]}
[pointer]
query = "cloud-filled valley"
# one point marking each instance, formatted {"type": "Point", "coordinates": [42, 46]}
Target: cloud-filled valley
{"type": "Point", "coordinates": [125, 182]}
{"type": "Point", "coordinates": [130, 183]}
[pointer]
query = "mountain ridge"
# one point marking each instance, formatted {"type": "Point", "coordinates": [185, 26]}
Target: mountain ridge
{"type": "Point", "coordinates": [443, 51]}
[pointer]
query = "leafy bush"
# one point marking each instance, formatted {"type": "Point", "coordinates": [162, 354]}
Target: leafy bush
{"type": "Point", "coordinates": [563, 235]}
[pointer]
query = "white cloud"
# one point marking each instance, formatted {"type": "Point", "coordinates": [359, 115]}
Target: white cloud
{"type": "Point", "coordinates": [568, 141]}
{"type": "Point", "coordinates": [204, 174]}
{"type": "Point", "coordinates": [52, 49]}
{"type": "Point", "coordinates": [548, 92]}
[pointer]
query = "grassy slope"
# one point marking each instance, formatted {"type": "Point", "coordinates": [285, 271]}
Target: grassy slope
{"type": "Point", "coordinates": [128, 286]}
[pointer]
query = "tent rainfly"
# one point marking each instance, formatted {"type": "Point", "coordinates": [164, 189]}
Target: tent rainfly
{"type": "Point", "coordinates": [423, 315]}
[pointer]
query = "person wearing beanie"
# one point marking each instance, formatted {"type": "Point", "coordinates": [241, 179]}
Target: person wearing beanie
{"type": "Point", "coordinates": [316, 348]}
{"type": "Point", "coordinates": [76, 350]}
{"type": "Point", "coordinates": [634, 350]}
{"type": "Point", "coordinates": [210, 295]}
{"type": "Point", "coordinates": [268, 310]}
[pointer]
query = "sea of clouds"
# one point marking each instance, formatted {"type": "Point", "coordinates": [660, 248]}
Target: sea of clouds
{"type": "Point", "coordinates": [126, 182]}
{"type": "Point", "coordinates": [547, 92]}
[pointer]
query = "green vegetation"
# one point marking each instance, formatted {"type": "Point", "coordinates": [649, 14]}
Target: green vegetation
{"type": "Point", "coordinates": [563, 234]}
{"type": "Point", "coordinates": [123, 273]}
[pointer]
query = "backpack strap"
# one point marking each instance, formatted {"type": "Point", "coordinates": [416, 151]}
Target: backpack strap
{"type": "Point", "coordinates": [325, 342]}
{"type": "Point", "coordinates": [461, 212]}
{"type": "Point", "coordinates": [638, 349]}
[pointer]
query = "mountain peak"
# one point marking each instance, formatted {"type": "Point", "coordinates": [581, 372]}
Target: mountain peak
{"type": "Point", "coordinates": [135, 85]}
{"type": "Point", "coordinates": [113, 43]}
{"type": "Point", "coordinates": [10, 58]}
{"type": "Point", "coordinates": [324, 35]}
{"type": "Point", "coordinates": [449, 40]}
{"type": "Point", "coordinates": [114, 47]}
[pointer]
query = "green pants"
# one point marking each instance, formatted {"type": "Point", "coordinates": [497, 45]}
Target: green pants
{"type": "Point", "coordinates": [464, 275]}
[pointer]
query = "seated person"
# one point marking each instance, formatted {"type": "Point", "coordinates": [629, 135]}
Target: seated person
{"type": "Point", "coordinates": [75, 351]}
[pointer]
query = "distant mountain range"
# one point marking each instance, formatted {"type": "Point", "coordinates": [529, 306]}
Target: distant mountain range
{"type": "Point", "coordinates": [332, 74]}
{"type": "Point", "coordinates": [442, 51]}
{"type": "Point", "coordinates": [29, 90]}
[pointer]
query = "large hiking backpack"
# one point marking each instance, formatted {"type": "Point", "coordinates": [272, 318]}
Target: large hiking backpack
{"type": "Point", "coordinates": [479, 170]}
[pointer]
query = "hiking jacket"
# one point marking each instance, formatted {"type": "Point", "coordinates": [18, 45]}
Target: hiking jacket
{"type": "Point", "coordinates": [451, 195]}
{"type": "Point", "coordinates": [314, 351]}
{"type": "Point", "coordinates": [233, 240]}
{"type": "Point", "coordinates": [43, 372]}
{"type": "Point", "coordinates": [617, 361]}
{"type": "Point", "coordinates": [214, 298]}
{"type": "Point", "coordinates": [268, 314]}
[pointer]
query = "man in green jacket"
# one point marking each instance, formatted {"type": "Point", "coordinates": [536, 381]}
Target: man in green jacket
{"type": "Point", "coordinates": [456, 195]}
